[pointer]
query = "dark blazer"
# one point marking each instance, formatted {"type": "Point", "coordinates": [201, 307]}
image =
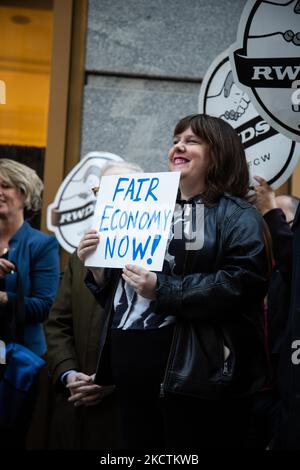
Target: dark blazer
{"type": "Point", "coordinates": [282, 241]}
{"type": "Point", "coordinates": [289, 370]}
{"type": "Point", "coordinates": [280, 283]}
{"type": "Point", "coordinates": [73, 331]}
{"type": "Point", "coordinates": [36, 256]}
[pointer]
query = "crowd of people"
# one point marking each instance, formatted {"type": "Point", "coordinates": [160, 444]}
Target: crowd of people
{"type": "Point", "coordinates": [197, 356]}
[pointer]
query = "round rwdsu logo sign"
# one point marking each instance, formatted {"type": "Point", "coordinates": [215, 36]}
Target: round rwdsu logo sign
{"type": "Point", "coordinates": [269, 154]}
{"type": "Point", "coordinates": [265, 61]}
{"type": "Point", "coordinates": [70, 215]}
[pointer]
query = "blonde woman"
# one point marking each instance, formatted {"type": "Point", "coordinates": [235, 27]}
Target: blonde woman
{"type": "Point", "coordinates": [35, 256]}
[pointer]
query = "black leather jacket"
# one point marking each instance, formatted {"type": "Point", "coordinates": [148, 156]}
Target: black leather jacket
{"type": "Point", "coordinates": [216, 293]}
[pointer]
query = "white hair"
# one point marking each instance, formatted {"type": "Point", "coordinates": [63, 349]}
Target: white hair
{"type": "Point", "coordinates": [133, 167]}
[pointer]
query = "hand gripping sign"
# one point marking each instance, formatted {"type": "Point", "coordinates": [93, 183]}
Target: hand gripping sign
{"type": "Point", "coordinates": [133, 216]}
{"type": "Point", "coordinates": [265, 61]}
{"type": "Point", "coordinates": [269, 153]}
{"type": "Point", "coordinates": [70, 215]}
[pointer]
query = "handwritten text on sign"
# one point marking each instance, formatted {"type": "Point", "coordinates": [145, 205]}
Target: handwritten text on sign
{"type": "Point", "coordinates": [133, 215]}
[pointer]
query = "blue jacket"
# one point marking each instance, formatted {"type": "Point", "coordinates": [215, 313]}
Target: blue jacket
{"type": "Point", "coordinates": [36, 256]}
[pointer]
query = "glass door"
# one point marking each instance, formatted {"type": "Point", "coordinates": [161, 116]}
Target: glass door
{"type": "Point", "coordinates": [25, 68]}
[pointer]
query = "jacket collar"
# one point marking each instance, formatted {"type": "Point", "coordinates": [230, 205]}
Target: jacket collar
{"type": "Point", "coordinates": [19, 233]}
{"type": "Point", "coordinates": [192, 200]}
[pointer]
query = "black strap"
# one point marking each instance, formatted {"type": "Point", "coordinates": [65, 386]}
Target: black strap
{"type": "Point", "coordinates": [17, 314]}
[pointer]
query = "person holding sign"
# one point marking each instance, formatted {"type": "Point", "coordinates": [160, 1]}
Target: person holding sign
{"type": "Point", "coordinates": [185, 376]}
{"type": "Point", "coordinates": [72, 333]}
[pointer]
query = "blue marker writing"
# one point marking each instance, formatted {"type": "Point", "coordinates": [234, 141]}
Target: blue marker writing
{"type": "Point", "coordinates": [155, 243]}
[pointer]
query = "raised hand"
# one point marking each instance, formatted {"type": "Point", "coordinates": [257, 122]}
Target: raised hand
{"type": "Point", "coordinates": [264, 196]}
{"type": "Point", "coordinates": [88, 244]}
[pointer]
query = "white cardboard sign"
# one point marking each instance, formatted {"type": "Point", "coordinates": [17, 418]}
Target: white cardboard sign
{"type": "Point", "coordinates": [133, 216]}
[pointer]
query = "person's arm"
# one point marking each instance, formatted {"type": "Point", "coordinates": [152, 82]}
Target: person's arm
{"type": "Point", "coordinates": [280, 231]}
{"type": "Point", "coordinates": [265, 198]}
{"type": "Point", "coordinates": [97, 280]}
{"type": "Point", "coordinates": [241, 275]}
{"type": "Point", "coordinates": [100, 292]}
{"type": "Point", "coordinates": [61, 355]}
{"type": "Point", "coordinates": [64, 376]}
{"type": "Point", "coordinates": [282, 241]}
{"type": "Point", "coordinates": [84, 391]}
{"type": "Point", "coordinates": [44, 279]}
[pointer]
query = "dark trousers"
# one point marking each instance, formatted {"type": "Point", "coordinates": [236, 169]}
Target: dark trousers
{"type": "Point", "coordinates": [138, 363]}
{"type": "Point", "coordinates": [15, 437]}
{"type": "Point", "coordinates": [175, 422]}
{"type": "Point", "coordinates": [178, 423]}
{"type": "Point", "coordinates": [193, 424]}
{"type": "Point", "coordinates": [264, 420]}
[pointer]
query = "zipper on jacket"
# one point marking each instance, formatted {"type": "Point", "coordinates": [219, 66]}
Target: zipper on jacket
{"type": "Point", "coordinates": [162, 385]}
{"type": "Point", "coordinates": [227, 364]}
{"type": "Point", "coordinates": [225, 368]}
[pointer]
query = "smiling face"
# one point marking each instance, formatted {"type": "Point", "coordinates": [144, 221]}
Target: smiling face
{"type": "Point", "coordinates": [189, 155]}
{"type": "Point", "coordinates": [11, 200]}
